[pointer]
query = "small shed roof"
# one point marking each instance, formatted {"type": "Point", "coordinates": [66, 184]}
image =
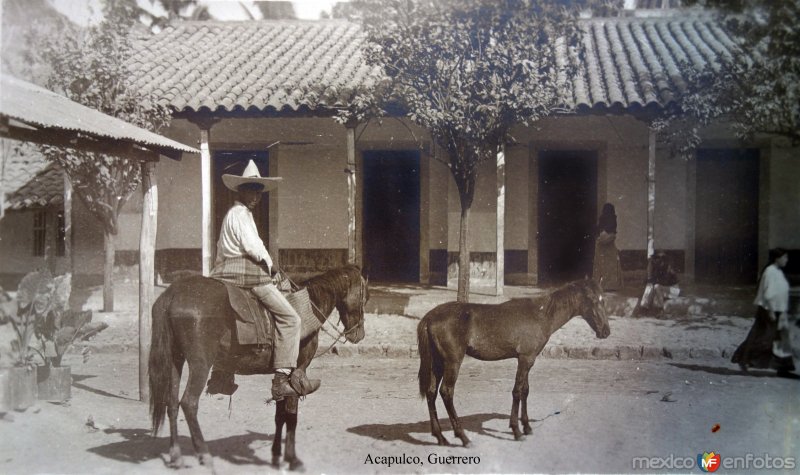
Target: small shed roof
{"type": "Point", "coordinates": [287, 65]}
{"type": "Point", "coordinates": [44, 188]}
{"type": "Point", "coordinates": [31, 113]}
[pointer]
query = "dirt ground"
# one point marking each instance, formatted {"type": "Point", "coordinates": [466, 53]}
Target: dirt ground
{"type": "Point", "coordinates": [590, 416]}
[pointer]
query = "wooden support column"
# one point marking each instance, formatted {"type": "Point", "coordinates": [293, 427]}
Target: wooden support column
{"type": "Point", "coordinates": [206, 199]}
{"type": "Point", "coordinates": [501, 220]}
{"type": "Point", "coordinates": [351, 194]}
{"type": "Point", "coordinates": [147, 246]}
{"type": "Point", "coordinates": [651, 191]}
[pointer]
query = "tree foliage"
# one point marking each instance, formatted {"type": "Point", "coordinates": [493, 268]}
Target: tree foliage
{"type": "Point", "coordinates": [89, 66]}
{"type": "Point", "coordinates": [468, 71]}
{"type": "Point", "coordinates": [757, 87]}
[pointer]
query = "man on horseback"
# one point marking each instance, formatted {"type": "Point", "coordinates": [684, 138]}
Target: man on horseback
{"type": "Point", "coordinates": [242, 259]}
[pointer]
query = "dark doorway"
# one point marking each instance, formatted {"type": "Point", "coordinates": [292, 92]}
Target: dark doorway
{"type": "Point", "coordinates": [233, 163]}
{"type": "Point", "coordinates": [567, 215]}
{"type": "Point", "coordinates": [391, 215]}
{"type": "Point", "coordinates": [726, 219]}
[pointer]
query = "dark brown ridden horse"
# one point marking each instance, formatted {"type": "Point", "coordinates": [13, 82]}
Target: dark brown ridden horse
{"type": "Point", "coordinates": [193, 317]}
{"type": "Point", "coordinates": [518, 329]}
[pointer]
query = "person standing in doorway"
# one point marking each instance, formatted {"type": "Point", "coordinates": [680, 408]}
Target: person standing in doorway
{"type": "Point", "coordinates": [243, 260]}
{"type": "Point", "coordinates": [766, 345]}
{"type": "Point", "coordinates": [607, 270]}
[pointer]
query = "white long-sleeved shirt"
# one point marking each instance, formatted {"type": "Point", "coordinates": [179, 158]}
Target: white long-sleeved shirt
{"type": "Point", "coordinates": [239, 236]}
{"type": "Point", "coordinates": [773, 290]}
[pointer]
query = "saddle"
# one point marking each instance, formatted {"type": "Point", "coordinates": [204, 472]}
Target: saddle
{"type": "Point", "coordinates": [254, 323]}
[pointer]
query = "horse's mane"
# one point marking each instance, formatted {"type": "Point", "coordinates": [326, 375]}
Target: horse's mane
{"type": "Point", "coordinates": [337, 281]}
{"type": "Point", "coordinates": [566, 296]}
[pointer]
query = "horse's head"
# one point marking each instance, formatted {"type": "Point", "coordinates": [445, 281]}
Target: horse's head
{"type": "Point", "coordinates": [594, 309]}
{"type": "Point", "coordinates": [351, 308]}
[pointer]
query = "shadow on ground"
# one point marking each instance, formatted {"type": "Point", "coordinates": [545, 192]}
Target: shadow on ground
{"type": "Point", "coordinates": [76, 383]}
{"type": "Point", "coordinates": [473, 424]}
{"type": "Point", "coordinates": [139, 446]}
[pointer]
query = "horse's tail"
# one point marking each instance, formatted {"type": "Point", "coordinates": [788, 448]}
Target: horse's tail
{"type": "Point", "coordinates": [160, 363]}
{"type": "Point", "coordinates": [425, 357]}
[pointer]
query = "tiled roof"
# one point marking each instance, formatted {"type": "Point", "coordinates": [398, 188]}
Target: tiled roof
{"type": "Point", "coordinates": [632, 62]}
{"type": "Point", "coordinates": [46, 187]}
{"type": "Point", "coordinates": [284, 65]}
{"type": "Point", "coordinates": [20, 166]}
{"type": "Point", "coordinates": [261, 65]}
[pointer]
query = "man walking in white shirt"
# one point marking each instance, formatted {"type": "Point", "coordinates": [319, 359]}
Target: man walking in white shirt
{"type": "Point", "coordinates": [243, 260]}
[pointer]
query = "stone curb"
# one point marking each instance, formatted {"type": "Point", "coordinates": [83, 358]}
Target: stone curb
{"type": "Point", "coordinates": [616, 353]}
{"type": "Point", "coordinates": [395, 351]}
{"type": "Point", "coordinates": [620, 305]}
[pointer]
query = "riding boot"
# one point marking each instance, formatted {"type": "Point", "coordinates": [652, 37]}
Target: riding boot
{"type": "Point", "coordinates": [295, 385]}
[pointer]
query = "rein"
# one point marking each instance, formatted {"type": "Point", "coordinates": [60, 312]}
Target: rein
{"type": "Point", "coordinates": [341, 334]}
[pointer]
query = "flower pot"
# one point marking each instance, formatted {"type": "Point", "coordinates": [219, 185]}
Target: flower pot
{"type": "Point", "coordinates": [54, 383]}
{"type": "Point", "coordinates": [18, 389]}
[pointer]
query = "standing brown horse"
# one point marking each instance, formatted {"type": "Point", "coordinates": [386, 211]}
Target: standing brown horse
{"type": "Point", "coordinates": [518, 329]}
{"type": "Point", "coordinates": [193, 318]}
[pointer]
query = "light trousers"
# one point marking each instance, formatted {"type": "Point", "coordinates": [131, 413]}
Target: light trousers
{"type": "Point", "coordinates": [287, 325]}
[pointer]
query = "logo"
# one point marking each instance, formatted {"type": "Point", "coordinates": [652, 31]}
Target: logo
{"type": "Point", "coordinates": [708, 462]}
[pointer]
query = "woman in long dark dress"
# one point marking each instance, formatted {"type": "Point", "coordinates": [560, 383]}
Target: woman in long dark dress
{"type": "Point", "coordinates": [763, 347]}
{"type": "Point", "coordinates": [607, 269]}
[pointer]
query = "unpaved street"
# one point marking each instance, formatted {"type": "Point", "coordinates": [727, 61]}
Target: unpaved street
{"type": "Point", "coordinates": [590, 416]}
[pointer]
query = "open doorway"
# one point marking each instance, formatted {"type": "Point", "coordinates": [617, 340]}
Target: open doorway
{"type": "Point", "coordinates": [726, 216]}
{"type": "Point", "coordinates": [391, 215]}
{"type": "Point", "coordinates": [567, 215]}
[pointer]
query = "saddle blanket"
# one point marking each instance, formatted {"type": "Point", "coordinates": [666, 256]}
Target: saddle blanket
{"type": "Point", "coordinates": [255, 325]}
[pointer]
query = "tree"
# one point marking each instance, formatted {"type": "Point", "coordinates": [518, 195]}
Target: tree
{"type": "Point", "coordinates": [757, 87]}
{"type": "Point", "coordinates": [468, 71]}
{"type": "Point", "coordinates": [90, 67]}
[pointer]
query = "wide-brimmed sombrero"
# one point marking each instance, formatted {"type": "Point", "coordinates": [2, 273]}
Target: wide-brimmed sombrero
{"type": "Point", "coordinates": [251, 175]}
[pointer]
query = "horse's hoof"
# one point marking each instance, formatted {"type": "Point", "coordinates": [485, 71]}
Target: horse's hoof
{"type": "Point", "coordinates": [443, 442]}
{"type": "Point", "coordinates": [296, 465]}
{"type": "Point", "coordinates": [528, 430]}
{"type": "Point", "coordinates": [175, 463]}
{"type": "Point", "coordinates": [206, 460]}
{"type": "Point", "coordinates": [276, 461]}
{"type": "Point", "coordinates": [467, 444]}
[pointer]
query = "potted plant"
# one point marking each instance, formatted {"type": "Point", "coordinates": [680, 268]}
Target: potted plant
{"type": "Point", "coordinates": [18, 387]}
{"type": "Point", "coordinates": [56, 327]}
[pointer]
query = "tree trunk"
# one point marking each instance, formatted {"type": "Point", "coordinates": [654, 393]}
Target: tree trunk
{"type": "Point", "coordinates": [352, 254]}
{"type": "Point", "coordinates": [69, 256]}
{"type": "Point", "coordinates": [463, 256]}
{"type": "Point", "coordinates": [108, 272]}
{"type": "Point", "coordinates": [651, 192]}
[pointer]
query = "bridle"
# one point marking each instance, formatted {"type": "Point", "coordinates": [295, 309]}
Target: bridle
{"type": "Point", "coordinates": [340, 336]}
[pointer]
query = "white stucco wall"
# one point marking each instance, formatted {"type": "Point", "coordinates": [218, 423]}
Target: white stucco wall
{"type": "Point", "coordinates": [621, 143]}
{"type": "Point", "coordinates": [311, 157]}
{"type": "Point", "coordinates": [16, 243]}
